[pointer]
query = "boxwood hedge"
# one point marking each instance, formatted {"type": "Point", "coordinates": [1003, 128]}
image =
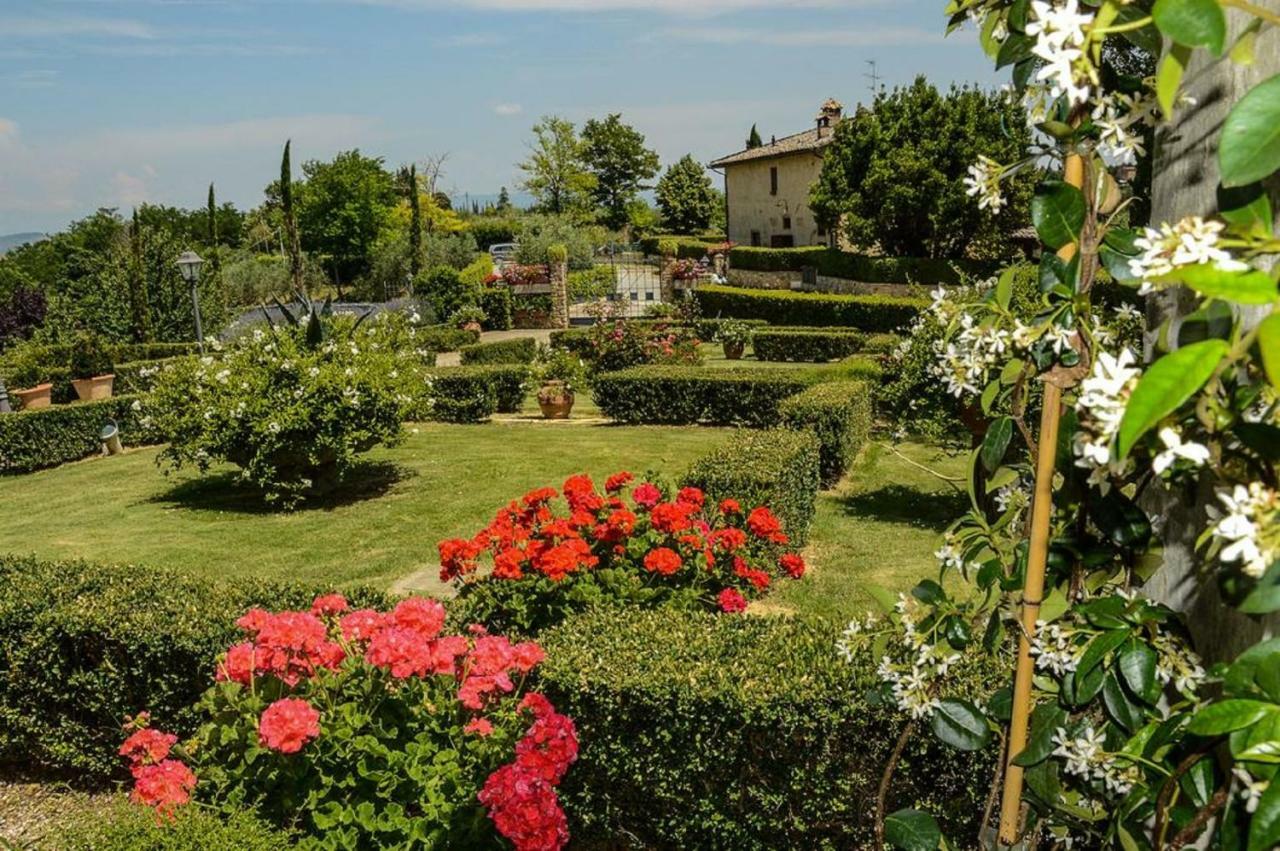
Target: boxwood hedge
{"type": "Point", "coordinates": [33, 440]}
{"type": "Point", "coordinates": [839, 415]}
{"type": "Point", "coordinates": [677, 395]}
{"type": "Point", "coordinates": [813, 345]}
{"type": "Point", "coordinates": [445, 338]}
{"type": "Point", "coordinates": [833, 263]}
{"type": "Point", "coordinates": [518, 350]}
{"type": "Point", "coordinates": [871, 313]}
{"type": "Point", "coordinates": [578, 340]}
{"type": "Point", "coordinates": [777, 467]}
{"type": "Point", "coordinates": [706, 731]}
{"type": "Point", "coordinates": [83, 645]}
{"type": "Point", "coordinates": [471, 394]}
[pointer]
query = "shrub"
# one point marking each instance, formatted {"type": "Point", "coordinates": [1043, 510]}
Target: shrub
{"type": "Point", "coordinates": [815, 345]}
{"type": "Point", "coordinates": [578, 340]}
{"type": "Point", "coordinates": [746, 733]}
{"type": "Point", "coordinates": [33, 440]}
{"type": "Point", "coordinates": [833, 263]}
{"type": "Point", "coordinates": [777, 468]}
{"type": "Point", "coordinates": [600, 281]}
{"type": "Point", "coordinates": [125, 827]}
{"type": "Point", "coordinates": [446, 291]}
{"type": "Point", "coordinates": [21, 313]}
{"type": "Point", "coordinates": [140, 376]}
{"type": "Point", "coordinates": [869, 313]}
{"type": "Point", "coordinates": [492, 230]}
{"type": "Point", "coordinates": [292, 407]}
{"type": "Point", "coordinates": [446, 338]}
{"type": "Point", "coordinates": [471, 394]}
{"type": "Point", "coordinates": [83, 645]}
{"type": "Point", "coordinates": [686, 247]}
{"type": "Point", "coordinates": [682, 396]}
{"type": "Point", "coordinates": [614, 346]}
{"type": "Point", "coordinates": [880, 344]}
{"type": "Point", "coordinates": [517, 350]}
{"type": "Point", "coordinates": [655, 549]}
{"type": "Point", "coordinates": [89, 357]}
{"type": "Point", "coordinates": [365, 728]}
{"type": "Point", "coordinates": [498, 307]}
{"type": "Point", "coordinates": [839, 415]}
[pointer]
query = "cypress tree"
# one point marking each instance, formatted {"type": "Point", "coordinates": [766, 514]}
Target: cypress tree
{"type": "Point", "coordinates": [415, 223]}
{"type": "Point", "coordinates": [754, 140]}
{"type": "Point", "coordinates": [290, 222]}
{"type": "Point", "coordinates": [139, 310]}
{"type": "Point", "coordinates": [215, 262]}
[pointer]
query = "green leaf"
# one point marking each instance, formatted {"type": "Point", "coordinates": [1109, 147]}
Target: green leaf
{"type": "Point", "coordinates": [1218, 718]}
{"type": "Point", "coordinates": [1169, 77]}
{"type": "Point", "coordinates": [1098, 648]}
{"type": "Point", "coordinates": [960, 724]}
{"type": "Point", "coordinates": [1247, 286]}
{"type": "Point", "coordinates": [1121, 709]}
{"type": "Point", "coordinates": [1168, 383]}
{"type": "Point", "coordinates": [1194, 23]}
{"type": "Point", "coordinates": [928, 592]}
{"type": "Point", "coordinates": [1265, 598]}
{"type": "Point", "coordinates": [1147, 38]}
{"type": "Point", "coordinates": [912, 830]}
{"type": "Point", "coordinates": [1246, 207]}
{"type": "Point", "coordinates": [1057, 211]}
{"type": "Point", "coordinates": [996, 443]}
{"type": "Point", "coordinates": [1121, 520]}
{"type": "Point", "coordinates": [1045, 721]}
{"type": "Point", "coordinates": [1016, 48]}
{"type": "Point", "coordinates": [884, 598]}
{"type": "Point", "coordinates": [1004, 287]}
{"type": "Point", "coordinates": [1264, 830]}
{"type": "Point", "coordinates": [1137, 665]}
{"type": "Point", "coordinates": [1249, 146]}
{"type": "Point", "coordinates": [1269, 348]}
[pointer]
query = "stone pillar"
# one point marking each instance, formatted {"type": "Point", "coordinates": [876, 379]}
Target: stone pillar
{"type": "Point", "coordinates": [558, 267]}
{"type": "Point", "coordinates": [1185, 183]}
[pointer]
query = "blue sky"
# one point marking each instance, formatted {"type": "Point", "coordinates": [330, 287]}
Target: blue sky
{"type": "Point", "coordinates": [117, 102]}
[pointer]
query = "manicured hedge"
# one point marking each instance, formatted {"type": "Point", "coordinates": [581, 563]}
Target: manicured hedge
{"type": "Point", "coordinates": [33, 440]}
{"type": "Point", "coordinates": [498, 308]}
{"type": "Point", "coordinates": [472, 394]}
{"type": "Point", "coordinates": [881, 344]}
{"type": "Point", "coordinates": [869, 313]}
{"type": "Point", "coordinates": [519, 350]}
{"type": "Point", "coordinates": [745, 733]}
{"type": "Point", "coordinates": [82, 645]}
{"type": "Point", "coordinates": [778, 468]}
{"type": "Point", "coordinates": [445, 338]}
{"type": "Point", "coordinates": [674, 395]}
{"type": "Point", "coordinates": [813, 345]}
{"type": "Point", "coordinates": [578, 340]}
{"type": "Point", "coordinates": [861, 367]}
{"type": "Point", "coordinates": [129, 827]}
{"type": "Point", "coordinates": [687, 247]}
{"type": "Point", "coordinates": [833, 263]}
{"type": "Point", "coordinates": [839, 415]}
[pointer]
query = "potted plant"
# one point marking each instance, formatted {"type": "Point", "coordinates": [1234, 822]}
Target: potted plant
{"type": "Point", "coordinates": [560, 374]}
{"type": "Point", "coordinates": [734, 336]}
{"type": "Point", "coordinates": [90, 366]}
{"type": "Point", "coordinates": [27, 388]}
{"type": "Point", "coordinates": [469, 318]}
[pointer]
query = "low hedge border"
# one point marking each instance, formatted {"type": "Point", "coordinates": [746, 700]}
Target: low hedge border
{"type": "Point", "coordinates": [472, 394]}
{"type": "Point", "coordinates": [34, 440]}
{"type": "Point", "coordinates": [834, 263]}
{"type": "Point", "coordinates": [674, 395]}
{"type": "Point", "coordinates": [578, 340]}
{"type": "Point", "coordinates": [870, 313]}
{"type": "Point", "coordinates": [839, 415]}
{"type": "Point", "coordinates": [518, 350]}
{"type": "Point", "coordinates": [810, 345]}
{"type": "Point", "coordinates": [687, 247]}
{"type": "Point", "coordinates": [82, 645]}
{"type": "Point", "coordinates": [776, 467]}
{"type": "Point", "coordinates": [704, 731]}
{"type": "Point", "coordinates": [443, 338]}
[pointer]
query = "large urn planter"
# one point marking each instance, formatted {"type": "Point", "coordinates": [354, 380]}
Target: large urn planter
{"type": "Point", "coordinates": [555, 400]}
{"type": "Point", "coordinates": [98, 387]}
{"type": "Point", "coordinates": [33, 398]}
{"type": "Point", "coordinates": [733, 351]}
{"type": "Point", "coordinates": [472, 326]}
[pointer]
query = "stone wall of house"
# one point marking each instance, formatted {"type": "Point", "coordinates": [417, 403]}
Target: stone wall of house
{"type": "Point", "coordinates": [791, 280]}
{"type": "Point", "coordinates": [753, 207]}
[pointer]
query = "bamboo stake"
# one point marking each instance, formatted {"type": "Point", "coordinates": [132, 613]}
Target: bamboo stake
{"type": "Point", "coordinates": [1037, 558]}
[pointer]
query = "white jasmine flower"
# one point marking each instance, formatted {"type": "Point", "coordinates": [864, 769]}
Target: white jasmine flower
{"type": "Point", "coordinates": [1190, 242]}
{"type": "Point", "coordinates": [1194, 453]}
{"type": "Point", "coordinates": [1240, 531]}
{"type": "Point", "coordinates": [983, 181]}
{"type": "Point", "coordinates": [1251, 790]}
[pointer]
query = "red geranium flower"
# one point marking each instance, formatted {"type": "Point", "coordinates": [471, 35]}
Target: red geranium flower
{"type": "Point", "coordinates": [361, 624]}
{"type": "Point", "coordinates": [763, 524]}
{"type": "Point", "coordinates": [671, 516]}
{"type": "Point", "coordinates": [617, 482]}
{"type": "Point", "coordinates": [732, 601]}
{"type": "Point", "coordinates": [165, 785]}
{"type": "Point", "coordinates": [328, 604]}
{"type": "Point", "coordinates": [692, 496]}
{"type": "Point", "coordinates": [730, 506]}
{"type": "Point", "coordinates": [423, 616]}
{"type": "Point", "coordinates": [239, 664]}
{"type": "Point", "coordinates": [288, 724]}
{"type": "Point", "coordinates": [147, 747]}
{"type": "Point", "coordinates": [793, 564]}
{"type": "Point", "coordinates": [646, 495]}
{"type": "Point", "coordinates": [478, 726]}
{"type": "Point", "coordinates": [663, 560]}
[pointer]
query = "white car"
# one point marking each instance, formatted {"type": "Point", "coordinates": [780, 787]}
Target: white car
{"type": "Point", "coordinates": [503, 253]}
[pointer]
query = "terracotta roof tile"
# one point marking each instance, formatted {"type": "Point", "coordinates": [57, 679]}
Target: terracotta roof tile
{"type": "Point", "coordinates": [809, 140]}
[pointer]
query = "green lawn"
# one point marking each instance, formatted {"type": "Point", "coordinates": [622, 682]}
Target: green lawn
{"type": "Point", "coordinates": [880, 525]}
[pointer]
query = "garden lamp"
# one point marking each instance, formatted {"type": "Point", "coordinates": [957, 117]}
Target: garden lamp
{"type": "Point", "coordinates": [189, 264]}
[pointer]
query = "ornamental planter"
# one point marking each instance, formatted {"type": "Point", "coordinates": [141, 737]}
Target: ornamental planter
{"type": "Point", "coordinates": [733, 351]}
{"type": "Point", "coordinates": [33, 398]}
{"type": "Point", "coordinates": [472, 326]}
{"type": "Point", "coordinates": [98, 387]}
{"type": "Point", "coordinates": [555, 401]}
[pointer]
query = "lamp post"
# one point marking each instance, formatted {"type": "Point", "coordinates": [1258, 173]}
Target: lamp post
{"type": "Point", "coordinates": [189, 265]}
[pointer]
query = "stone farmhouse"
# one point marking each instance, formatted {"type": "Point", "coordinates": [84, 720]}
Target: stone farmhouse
{"type": "Point", "coordinates": [767, 188]}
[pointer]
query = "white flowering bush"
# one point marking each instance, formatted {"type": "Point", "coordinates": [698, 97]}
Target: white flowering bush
{"type": "Point", "coordinates": [1133, 743]}
{"type": "Point", "coordinates": [291, 406]}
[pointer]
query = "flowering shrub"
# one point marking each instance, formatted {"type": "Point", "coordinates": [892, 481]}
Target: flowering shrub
{"type": "Point", "coordinates": [370, 728]}
{"type": "Point", "coordinates": [623, 344]}
{"type": "Point", "coordinates": [292, 406]}
{"type": "Point", "coordinates": [647, 547]}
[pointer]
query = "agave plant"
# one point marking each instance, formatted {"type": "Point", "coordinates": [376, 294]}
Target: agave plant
{"type": "Point", "coordinates": [313, 316]}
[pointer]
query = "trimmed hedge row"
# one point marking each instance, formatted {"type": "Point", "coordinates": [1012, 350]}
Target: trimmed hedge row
{"type": "Point", "coordinates": [472, 394]}
{"type": "Point", "coordinates": [674, 395]}
{"type": "Point", "coordinates": [839, 415]}
{"type": "Point", "coordinates": [812, 345]}
{"type": "Point", "coordinates": [578, 340]}
{"type": "Point", "coordinates": [869, 313]}
{"type": "Point", "coordinates": [834, 263]}
{"type": "Point", "coordinates": [498, 307]}
{"type": "Point", "coordinates": [83, 645]}
{"type": "Point", "coordinates": [778, 468]}
{"type": "Point", "coordinates": [519, 350]}
{"type": "Point", "coordinates": [34, 440]}
{"type": "Point", "coordinates": [687, 247]}
{"type": "Point", "coordinates": [700, 731]}
{"type": "Point", "coordinates": [445, 338]}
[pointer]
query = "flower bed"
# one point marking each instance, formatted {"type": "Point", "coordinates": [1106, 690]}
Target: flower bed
{"type": "Point", "coordinates": [34, 440]}
{"type": "Point", "coordinates": [813, 345]}
{"type": "Point", "coordinates": [368, 728]}
{"type": "Point", "coordinates": [839, 415]}
{"type": "Point", "coordinates": [635, 545]}
{"type": "Point", "coordinates": [869, 313]}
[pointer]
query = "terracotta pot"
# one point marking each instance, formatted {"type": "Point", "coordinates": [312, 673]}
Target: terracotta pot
{"type": "Point", "coordinates": [472, 326]}
{"type": "Point", "coordinates": [33, 398]}
{"type": "Point", "coordinates": [555, 401]}
{"type": "Point", "coordinates": [733, 351]}
{"type": "Point", "coordinates": [98, 387]}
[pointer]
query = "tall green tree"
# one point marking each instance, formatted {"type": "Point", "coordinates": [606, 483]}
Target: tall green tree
{"type": "Point", "coordinates": [616, 156]}
{"type": "Point", "coordinates": [293, 245]}
{"type": "Point", "coordinates": [893, 178]}
{"type": "Point", "coordinates": [556, 173]}
{"type": "Point", "coordinates": [139, 312]}
{"type": "Point", "coordinates": [504, 202]}
{"type": "Point", "coordinates": [342, 208]}
{"type": "Point", "coordinates": [211, 214]}
{"type": "Point", "coordinates": [686, 197]}
{"type": "Point", "coordinates": [753, 138]}
{"type": "Point", "coordinates": [415, 221]}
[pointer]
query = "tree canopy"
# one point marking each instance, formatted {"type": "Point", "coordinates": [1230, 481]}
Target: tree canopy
{"type": "Point", "coordinates": [686, 197]}
{"type": "Point", "coordinates": [616, 156]}
{"type": "Point", "coordinates": [556, 171]}
{"type": "Point", "coordinates": [342, 208]}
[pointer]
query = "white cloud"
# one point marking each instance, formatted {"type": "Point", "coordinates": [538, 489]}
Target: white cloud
{"type": "Point", "coordinates": [871, 36]}
{"type": "Point", "coordinates": [508, 109]}
{"type": "Point", "coordinates": [130, 190]}
{"type": "Point", "coordinates": [59, 27]}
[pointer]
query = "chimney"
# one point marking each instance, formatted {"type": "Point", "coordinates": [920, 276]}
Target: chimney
{"type": "Point", "coordinates": [829, 115]}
